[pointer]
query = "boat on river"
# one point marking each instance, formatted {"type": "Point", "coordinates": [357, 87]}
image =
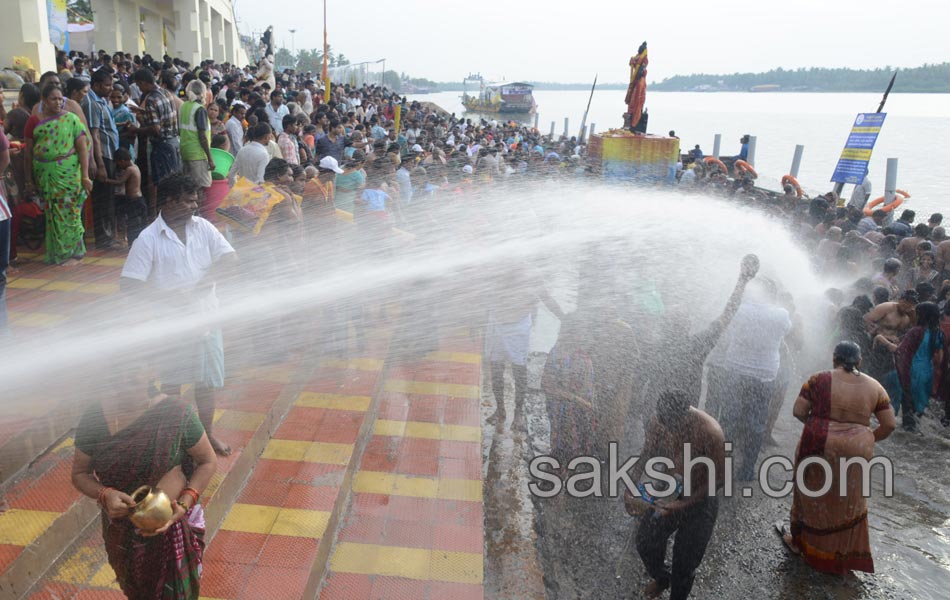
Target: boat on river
{"type": "Point", "coordinates": [501, 98]}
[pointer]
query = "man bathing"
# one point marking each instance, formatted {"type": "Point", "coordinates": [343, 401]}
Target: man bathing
{"type": "Point", "coordinates": [693, 515]}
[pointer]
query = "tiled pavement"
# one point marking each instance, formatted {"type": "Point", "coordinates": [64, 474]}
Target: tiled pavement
{"type": "Point", "coordinates": [414, 526]}
{"type": "Point", "coordinates": [351, 478]}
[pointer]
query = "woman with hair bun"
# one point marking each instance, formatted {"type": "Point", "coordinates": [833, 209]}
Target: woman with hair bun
{"type": "Point", "coordinates": [831, 531]}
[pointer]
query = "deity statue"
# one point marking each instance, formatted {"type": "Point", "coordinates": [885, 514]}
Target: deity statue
{"type": "Point", "coordinates": [637, 90]}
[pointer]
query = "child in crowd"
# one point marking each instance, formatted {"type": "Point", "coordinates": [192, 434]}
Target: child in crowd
{"type": "Point", "coordinates": [123, 117]}
{"type": "Point", "coordinates": [131, 203]}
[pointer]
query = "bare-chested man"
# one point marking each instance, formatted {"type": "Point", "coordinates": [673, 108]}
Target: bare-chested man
{"type": "Point", "coordinates": [692, 517]}
{"type": "Point", "coordinates": [888, 276]}
{"type": "Point", "coordinates": [942, 250]}
{"type": "Point", "coordinates": [890, 320]}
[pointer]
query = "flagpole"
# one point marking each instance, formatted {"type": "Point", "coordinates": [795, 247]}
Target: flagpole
{"type": "Point", "coordinates": [326, 71]}
{"type": "Point", "coordinates": [580, 136]}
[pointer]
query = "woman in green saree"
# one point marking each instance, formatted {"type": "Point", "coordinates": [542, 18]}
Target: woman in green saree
{"type": "Point", "coordinates": [132, 437]}
{"type": "Point", "coordinates": [57, 147]}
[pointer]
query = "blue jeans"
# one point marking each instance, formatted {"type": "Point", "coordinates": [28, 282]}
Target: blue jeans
{"type": "Point", "coordinates": [745, 418]}
{"type": "Point", "coordinates": [4, 263]}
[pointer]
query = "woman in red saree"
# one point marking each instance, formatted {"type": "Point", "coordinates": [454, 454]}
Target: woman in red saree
{"type": "Point", "coordinates": [831, 531]}
{"type": "Point", "coordinates": [129, 439]}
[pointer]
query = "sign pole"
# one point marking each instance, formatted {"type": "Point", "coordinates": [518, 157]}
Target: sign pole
{"type": "Point", "coordinates": [797, 160]}
{"type": "Point", "coordinates": [326, 71]}
{"type": "Point", "coordinates": [890, 187]}
{"type": "Point", "coordinates": [839, 186]}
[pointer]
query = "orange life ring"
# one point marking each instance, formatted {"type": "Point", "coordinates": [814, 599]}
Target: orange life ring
{"type": "Point", "coordinates": [899, 197]}
{"type": "Point", "coordinates": [712, 159]}
{"type": "Point", "coordinates": [789, 180]}
{"type": "Point", "coordinates": [743, 167]}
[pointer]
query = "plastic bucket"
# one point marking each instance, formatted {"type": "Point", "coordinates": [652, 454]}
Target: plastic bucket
{"type": "Point", "coordinates": [222, 162]}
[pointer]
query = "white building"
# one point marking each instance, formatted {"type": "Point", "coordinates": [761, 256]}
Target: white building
{"type": "Point", "coordinates": [188, 29]}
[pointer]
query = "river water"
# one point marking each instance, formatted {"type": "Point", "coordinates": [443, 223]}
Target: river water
{"type": "Point", "coordinates": [915, 131]}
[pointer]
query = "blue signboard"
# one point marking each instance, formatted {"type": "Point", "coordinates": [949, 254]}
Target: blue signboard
{"type": "Point", "coordinates": [853, 163]}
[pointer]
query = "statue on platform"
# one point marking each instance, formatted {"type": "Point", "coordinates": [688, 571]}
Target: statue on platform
{"type": "Point", "coordinates": [265, 66]}
{"type": "Point", "coordinates": [637, 91]}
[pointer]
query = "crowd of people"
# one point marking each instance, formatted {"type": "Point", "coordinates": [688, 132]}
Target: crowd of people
{"type": "Point", "coordinates": [884, 323]}
{"type": "Point", "coordinates": [147, 142]}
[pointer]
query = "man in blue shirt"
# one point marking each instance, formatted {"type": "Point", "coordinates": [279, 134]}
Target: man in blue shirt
{"type": "Point", "coordinates": [105, 141]}
{"type": "Point", "coordinates": [333, 143]}
{"type": "Point", "coordinates": [904, 226]}
{"type": "Point", "coordinates": [377, 132]}
{"type": "Point", "coordinates": [744, 149]}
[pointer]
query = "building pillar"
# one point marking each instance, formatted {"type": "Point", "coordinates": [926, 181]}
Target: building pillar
{"type": "Point", "coordinates": [229, 54]}
{"type": "Point", "coordinates": [187, 32]}
{"type": "Point", "coordinates": [217, 37]}
{"type": "Point", "coordinates": [24, 31]}
{"type": "Point", "coordinates": [204, 20]}
{"type": "Point", "coordinates": [106, 33]}
{"type": "Point", "coordinates": [154, 42]}
{"type": "Point", "coordinates": [130, 28]}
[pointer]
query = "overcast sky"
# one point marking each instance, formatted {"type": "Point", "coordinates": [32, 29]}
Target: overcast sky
{"type": "Point", "coordinates": [570, 41]}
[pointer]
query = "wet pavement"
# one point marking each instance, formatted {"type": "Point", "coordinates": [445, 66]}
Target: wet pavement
{"type": "Point", "coordinates": [584, 549]}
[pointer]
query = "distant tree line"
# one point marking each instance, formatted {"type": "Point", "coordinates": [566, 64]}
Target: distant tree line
{"type": "Point", "coordinates": [926, 78]}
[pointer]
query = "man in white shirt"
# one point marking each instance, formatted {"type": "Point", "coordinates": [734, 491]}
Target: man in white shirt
{"type": "Point", "coordinates": [861, 193]}
{"type": "Point", "coordinates": [306, 97]}
{"type": "Point", "coordinates": [688, 177]}
{"type": "Point", "coordinates": [751, 363]}
{"type": "Point", "coordinates": [252, 159]}
{"type": "Point", "coordinates": [405, 185]}
{"type": "Point", "coordinates": [276, 111]}
{"type": "Point", "coordinates": [174, 265]}
{"type": "Point", "coordinates": [235, 127]}
{"type": "Point", "coordinates": [413, 132]}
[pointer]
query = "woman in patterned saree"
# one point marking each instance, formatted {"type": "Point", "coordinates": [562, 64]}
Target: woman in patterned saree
{"type": "Point", "coordinates": [831, 531]}
{"type": "Point", "coordinates": [57, 147]}
{"type": "Point", "coordinates": [132, 437]}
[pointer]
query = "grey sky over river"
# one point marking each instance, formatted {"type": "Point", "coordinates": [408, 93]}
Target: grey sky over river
{"type": "Point", "coordinates": [570, 41]}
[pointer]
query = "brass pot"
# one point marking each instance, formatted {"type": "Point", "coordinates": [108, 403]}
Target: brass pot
{"type": "Point", "coordinates": [152, 509]}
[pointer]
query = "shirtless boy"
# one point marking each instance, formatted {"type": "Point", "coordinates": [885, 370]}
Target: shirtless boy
{"type": "Point", "coordinates": [131, 203]}
{"type": "Point", "coordinates": [691, 517]}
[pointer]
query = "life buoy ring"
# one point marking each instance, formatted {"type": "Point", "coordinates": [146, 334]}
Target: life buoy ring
{"type": "Point", "coordinates": [789, 180]}
{"type": "Point", "coordinates": [742, 167]}
{"type": "Point", "coordinates": [712, 159]}
{"type": "Point", "coordinates": [899, 197]}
